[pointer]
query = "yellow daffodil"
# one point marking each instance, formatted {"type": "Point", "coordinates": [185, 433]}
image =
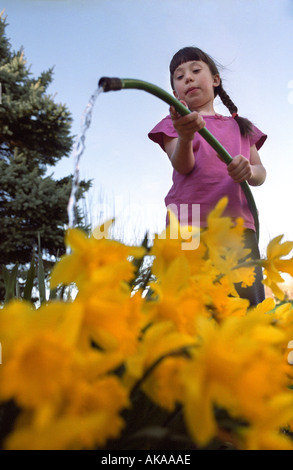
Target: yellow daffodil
{"type": "Point", "coordinates": [273, 264]}
{"type": "Point", "coordinates": [15, 320]}
{"type": "Point", "coordinates": [90, 417]}
{"type": "Point", "coordinates": [225, 243]}
{"type": "Point", "coordinates": [113, 320]}
{"type": "Point", "coordinates": [28, 375]}
{"type": "Point", "coordinates": [173, 242]}
{"type": "Point", "coordinates": [266, 433]}
{"type": "Point", "coordinates": [223, 237]}
{"type": "Point", "coordinates": [240, 355]}
{"type": "Point", "coordinates": [179, 300]}
{"type": "Point", "coordinates": [164, 386]}
{"type": "Point", "coordinates": [158, 341]}
{"type": "Point", "coordinates": [72, 367]}
{"type": "Point", "coordinates": [102, 262]}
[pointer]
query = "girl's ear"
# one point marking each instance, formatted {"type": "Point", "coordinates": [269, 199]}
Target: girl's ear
{"type": "Point", "coordinates": [217, 80]}
{"type": "Point", "coordinates": [175, 94]}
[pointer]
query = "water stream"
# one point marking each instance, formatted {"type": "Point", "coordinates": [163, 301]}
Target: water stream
{"type": "Point", "coordinates": [78, 150]}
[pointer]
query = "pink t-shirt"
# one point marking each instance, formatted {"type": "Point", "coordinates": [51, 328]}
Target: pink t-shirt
{"type": "Point", "coordinates": [209, 181]}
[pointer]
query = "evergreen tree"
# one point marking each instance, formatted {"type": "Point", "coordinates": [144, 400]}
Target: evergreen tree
{"type": "Point", "coordinates": [34, 136]}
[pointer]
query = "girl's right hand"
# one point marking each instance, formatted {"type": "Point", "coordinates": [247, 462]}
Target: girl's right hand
{"type": "Point", "coordinates": [187, 125]}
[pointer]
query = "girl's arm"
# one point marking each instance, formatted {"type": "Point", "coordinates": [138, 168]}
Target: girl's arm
{"type": "Point", "coordinates": [180, 150]}
{"type": "Point", "coordinates": [180, 154]}
{"type": "Point", "coordinates": [240, 169]}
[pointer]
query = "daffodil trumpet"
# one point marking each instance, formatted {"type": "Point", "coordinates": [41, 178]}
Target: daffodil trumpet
{"type": "Point", "coordinates": [115, 84]}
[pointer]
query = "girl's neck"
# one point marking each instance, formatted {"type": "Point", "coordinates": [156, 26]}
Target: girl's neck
{"type": "Point", "coordinates": [206, 110]}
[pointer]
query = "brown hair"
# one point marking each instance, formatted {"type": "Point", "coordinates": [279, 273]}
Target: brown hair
{"type": "Point", "coordinates": [194, 53]}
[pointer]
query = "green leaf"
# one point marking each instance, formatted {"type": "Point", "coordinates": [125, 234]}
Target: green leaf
{"type": "Point", "coordinates": [27, 295]}
{"type": "Point", "coordinates": [41, 273]}
{"type": "Point", "coordinates": [10, 280]}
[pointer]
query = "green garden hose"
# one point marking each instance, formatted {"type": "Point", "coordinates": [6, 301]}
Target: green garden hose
{"type": "Point", "coordinates": [115, 84]}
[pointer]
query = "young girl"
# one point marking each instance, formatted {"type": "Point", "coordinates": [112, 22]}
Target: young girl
{"type": "Point", "coordinates": [199, 176]}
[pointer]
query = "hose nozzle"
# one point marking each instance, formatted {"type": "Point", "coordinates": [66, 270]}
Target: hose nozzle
{"type": "Point", "coordinates": [110, 84]}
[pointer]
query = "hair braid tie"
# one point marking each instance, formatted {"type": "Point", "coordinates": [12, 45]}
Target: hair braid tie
{"type": "Point", "coordinates": [244, 124]}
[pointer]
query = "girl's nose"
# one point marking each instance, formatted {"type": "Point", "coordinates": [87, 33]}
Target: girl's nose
{"type": "Point", "coordinates": [188, 77]}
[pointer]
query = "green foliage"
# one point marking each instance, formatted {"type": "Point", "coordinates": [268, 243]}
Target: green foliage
{"type": "Point", "coordinates": [31, 204]}
{"type": "Point", "coordinates": [30, 282]}
{"type": "Point", "coordinates": [10, 282]}
{"type": "Point", "coordinates": [34, 135]}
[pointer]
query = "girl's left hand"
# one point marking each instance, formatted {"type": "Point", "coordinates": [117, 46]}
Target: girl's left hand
{"type": "Point", "coordinates": [240, 169]}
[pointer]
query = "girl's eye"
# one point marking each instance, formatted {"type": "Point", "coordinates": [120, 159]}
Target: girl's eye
{"type": "Point", "coordinates": [179, 77]}
{"type": "Point", "coordinates": [196, 70]}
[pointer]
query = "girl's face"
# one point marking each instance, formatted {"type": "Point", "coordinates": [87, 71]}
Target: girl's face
{"type": "Point", "coordinates": [194, 84]}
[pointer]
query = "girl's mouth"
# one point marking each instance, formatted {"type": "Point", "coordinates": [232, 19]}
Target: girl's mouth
{"type": "Point", "coordinates": [192, 90]}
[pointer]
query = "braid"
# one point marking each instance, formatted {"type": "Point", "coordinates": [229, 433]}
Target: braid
{"type": "Point", "coordinates": [244, 124]}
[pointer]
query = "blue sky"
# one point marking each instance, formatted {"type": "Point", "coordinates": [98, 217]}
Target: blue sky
{"type": "Point", "coordinates": [87, 39]}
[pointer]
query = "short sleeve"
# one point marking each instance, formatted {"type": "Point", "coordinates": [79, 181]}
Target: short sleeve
{"type": "Point", "coordinates": [164, 127]}
{"type": "Point", "coordinates": [257, 138]}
